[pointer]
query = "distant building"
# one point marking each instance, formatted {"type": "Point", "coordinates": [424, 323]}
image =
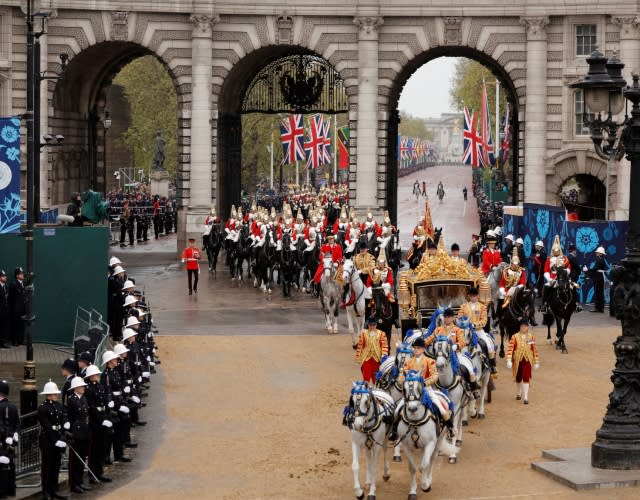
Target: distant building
{"type": "Point", "coordinates": [447, 135]}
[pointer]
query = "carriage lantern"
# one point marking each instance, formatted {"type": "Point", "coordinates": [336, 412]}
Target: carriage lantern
{"type": "Point", "coordinates": [617, 444]}
{"type": "Point", "coordinates": [404, 298]}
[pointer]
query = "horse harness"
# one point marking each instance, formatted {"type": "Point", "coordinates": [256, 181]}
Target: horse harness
{"type": "Point", "coordinates": [376, 418]}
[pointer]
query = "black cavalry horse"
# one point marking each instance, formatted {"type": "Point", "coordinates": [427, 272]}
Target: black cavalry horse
{"type": "Point", "coordinates": [311, 260]}
{"type": "Point", "coordinates": [289, 269]}
{"type": "Point", "coordinates": [394, 256]}
{"type": "Point", "coordinates": [521, 305]}
{"type": "Point", "coordinates": [241, 253]}
{"type": "Point", "coordinates": [563, 299]}
{"type": "Point", "coordinates": [265, 262]}
{"type": "Point", "coordinates": [385, 312]}
{"type": "Point", "coordinates": [212, 243]}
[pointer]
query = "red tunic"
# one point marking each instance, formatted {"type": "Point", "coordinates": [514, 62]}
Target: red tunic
{"type": "Point", "coordinates": [190, 256]}
{"type": "Point", "coordinates": [335, 250]}
{"type": "Point", "coordinates": [388, 279]}
{"type": "Point", "coordinates": [215, 219]}
{"type": "Point", "coordinates": [521, 281]}
{"type": "Point", "coordinates": [560, 259]}
{"type": "Point", "coordinates": [490, 258]}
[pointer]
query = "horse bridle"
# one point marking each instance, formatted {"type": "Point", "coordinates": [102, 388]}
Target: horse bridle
{"type": "Point", "coordinates": [356, 396]}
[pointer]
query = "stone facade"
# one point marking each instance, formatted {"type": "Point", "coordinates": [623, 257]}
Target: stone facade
{"type": "Point", "coordinates": [212, 49]}
{"type": "Point", "coordinates": [447, 132]}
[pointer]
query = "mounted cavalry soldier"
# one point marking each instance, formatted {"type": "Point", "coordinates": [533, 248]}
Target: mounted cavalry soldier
{"type": "Point", "coordinates": [364, 262]}
{"type": "Point", "coordinates": [553, 264]}
{"type": "Point", "coordinates": [382, 276]}
{"type": "Point", "coordinates": [330, 248]}
{"type": "Point", "coordinates": [513, 277]}
{"type": "Point", "coordinates": [476, 311]}
{"type": "Point", "coordinates": [231, 225]}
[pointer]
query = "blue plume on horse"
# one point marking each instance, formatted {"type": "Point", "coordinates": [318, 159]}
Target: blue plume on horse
{"type": "Point", "coordinates": [455, 364]}
{"type": "Point", "coordinates": [360, 387]}
{"type": "Point", "coordinates": [404, 348]}
{"type": "Point", "coordinates": [426, 400]}
{"type": "Point", "coordinates": [408, 334]}
{"type": "Point", "coordinates": [414, 376]}
{"type": "Point", "coordinates": [433, 322]}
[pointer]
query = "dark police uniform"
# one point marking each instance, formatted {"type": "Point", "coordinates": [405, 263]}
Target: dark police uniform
{"type": "Point", "coordinates": [51, 419]}
{"type": "Point", "coordinates": [78, 418]}
{"type": "Point", "coordinates": [597, 269]}
{"type": "Point", "coordinates": [112, 379]}
{"type": "Point", "coordinates": [100, 436]}
{"type": "Point", "coordinates": [17, 306]}
{"type": "Point", "coordinates": [9, 427]}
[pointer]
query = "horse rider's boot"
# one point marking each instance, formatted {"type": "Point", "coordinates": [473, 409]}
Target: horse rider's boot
{"type": "Point", "coordinates": [345, 295]}
{"type": "Point", "coordinates": [390, 298]}
{"type": "Point", "coordinates": [525, 393]}
{"type": "Point", "coordinates": [578, 307]}
{"type": "Point", "coordinates": [532, 319]}
{"type": "Point", "coordinates": [492, 366]}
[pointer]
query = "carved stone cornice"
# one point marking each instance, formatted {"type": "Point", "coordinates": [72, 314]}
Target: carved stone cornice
{"type": "Point", "coordinates": [203, 24]}
{"type": "Point", "coordinates": [368, 25]}
{"type": "Point", "coordinates": [628, 26]}
{"type": "Point", "coordinates": [536, 27]}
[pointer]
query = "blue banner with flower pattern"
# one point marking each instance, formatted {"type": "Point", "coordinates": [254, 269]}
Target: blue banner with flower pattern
{"type": "Point", "coordinates": [543, 222]}
{"type": "Point", "coordinates": [9, 175]}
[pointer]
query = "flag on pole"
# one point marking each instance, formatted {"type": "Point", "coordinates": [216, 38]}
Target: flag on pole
{"type": "Point", "coordinates": [471, 139]}
{"type": "Point", "coordinates": [315, 142]}
{"type": "Point", "coordinates": [343, 147]}
{"type": "Point", "coordinates": [292, 139]}
{"type": "Point", "coordinates": [506, 140]}
{"type": "Point", "coordinates": [326, 142]}
{"type": "Point", "coordinates": [487, 158]}
{"type": "Point", "coordinates": [9, 174]}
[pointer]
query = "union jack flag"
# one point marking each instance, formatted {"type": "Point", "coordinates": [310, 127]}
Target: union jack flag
{"type": "Point", "coordinates": [487, 158]}
{"type": "Point", "coordinates": [292, 139]}
{"type": "Point", "coordinates": [326, 141]}
{"type": "Point", "coordinates": [472, 140]}
{"type": "Point", "coordinates": [404, 148]}
{"type": "Point", "coordinates": [315, 141]}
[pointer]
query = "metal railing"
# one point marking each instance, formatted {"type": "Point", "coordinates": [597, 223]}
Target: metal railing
{"type": "Point", "coordinates": [27, 458]}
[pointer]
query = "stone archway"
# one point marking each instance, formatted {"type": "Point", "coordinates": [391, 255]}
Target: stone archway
{"type": "Point", "coordinates": [572, 162]}
{"type": "Point", "coordinates": [401, 78]}
{"type": "Point", "coordinates": [78, 104]}
{"type": "Point", "coordinates": [233, 103]}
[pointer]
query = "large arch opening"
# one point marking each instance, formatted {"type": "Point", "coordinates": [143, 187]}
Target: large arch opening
{"type": "Point", "coordinates": [453, 122]}
{"type": "Point", "coordinates": [585, 196]}
{"type": "Point", "coordinates": [86, 99]}
{"type": "Point", "coordinates": [254, 100]}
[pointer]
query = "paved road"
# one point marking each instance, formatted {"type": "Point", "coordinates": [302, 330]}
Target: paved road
{"type": "Point", "coordinates": [457, 218]}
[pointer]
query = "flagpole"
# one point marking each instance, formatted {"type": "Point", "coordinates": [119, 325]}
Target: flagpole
{"type": "Point", "coordinates": [497, 150]}
{"type": "Point", "coordinates": [271, 152]}
{"type": "Point", "coordinates": [335, 149]}
{"type": "Point", "coordinates": [298, 173]}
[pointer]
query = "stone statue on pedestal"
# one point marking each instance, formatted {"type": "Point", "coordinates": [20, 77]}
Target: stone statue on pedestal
{"type": "Point", "coordinates": [158, 159]}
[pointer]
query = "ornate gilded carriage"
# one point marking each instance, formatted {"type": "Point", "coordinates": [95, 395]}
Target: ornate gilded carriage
{"type": "Point", "coordinates": [439, 280]}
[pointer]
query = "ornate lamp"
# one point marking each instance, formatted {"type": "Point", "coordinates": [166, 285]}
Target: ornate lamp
{"type": "Point", "coordinates": [617, 444]}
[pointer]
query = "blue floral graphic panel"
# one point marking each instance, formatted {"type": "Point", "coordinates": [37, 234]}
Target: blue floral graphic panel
{"type": "Point", "coordinates": [586, 236]}
{"type": "Point", "coordinates": [9, 175]}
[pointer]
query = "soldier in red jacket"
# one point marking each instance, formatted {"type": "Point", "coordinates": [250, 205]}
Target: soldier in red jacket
{"type": "Point", "coordinates": [190, 257]}
{"type": "Point", "coordinates": [329, 248]}
{"type": "Point", "coordinates": [491, 255]}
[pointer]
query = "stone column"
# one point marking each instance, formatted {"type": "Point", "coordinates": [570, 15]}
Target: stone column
{"type": "Point", "coordinates": [45, 198]}
{"type": "Point", "coordinates": [200, 151]}
{"type": "Point", "coordinates": [630, 56]}
{"type": "Point", "coordinates": [367, 114]}
{"type": "Point", "coordinates": [535, 141]}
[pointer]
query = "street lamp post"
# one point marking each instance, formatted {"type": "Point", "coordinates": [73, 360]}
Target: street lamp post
{"type": "Point", "coordinates": [106, 125]}
{"type": "Point", "coordinates": [617, 444]}
{"type": "Point", "coordinates": [29, 392]}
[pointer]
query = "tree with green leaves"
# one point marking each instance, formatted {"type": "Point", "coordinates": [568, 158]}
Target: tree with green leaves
{"type": "Point", "coordinates": [412, 126]}
{"type": "Point", "coordinates": [153, 103]}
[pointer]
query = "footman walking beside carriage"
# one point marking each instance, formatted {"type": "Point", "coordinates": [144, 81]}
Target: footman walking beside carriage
{"type": "Point", "coordinates": [372, 345]}
{"type": "Point", "coordinates": [522, 357]}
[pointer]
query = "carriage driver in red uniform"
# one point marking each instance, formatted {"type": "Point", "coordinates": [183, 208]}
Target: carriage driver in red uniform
{"type": "Point", "coordinates": [329, 248]}
{"type": "Point", "coordinates": [491, 255]}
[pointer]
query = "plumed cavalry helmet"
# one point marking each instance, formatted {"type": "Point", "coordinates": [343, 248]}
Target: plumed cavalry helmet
{"type": "Point", "coordinates": [556, 248]}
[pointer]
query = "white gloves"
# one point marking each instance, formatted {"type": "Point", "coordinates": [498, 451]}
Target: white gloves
{"type": "Point", "coordinates": [455, 347]}
{"type": "Point", "coordinates": [148, 358]}
{"type": "Point", "coordinates": [124, 409]}
{"type": "Point", "coordinates": [127, 390]}
{"type": "Point", "coordinates": [146, 374]}
{"type": "Point", "coordinates": [110, 404]}
{"type": "Point", "coordinates": [9, 441]}
{"type": "Point", "coordinates": [15, 437]}
{"type": "Point", "coordinates": [61, 444]}
{"type": "Point", "coordinates": [536, 366]}
{"type": "Point", "coordinates": [4, 460]}
{"type": "Point", "coordinates": [135, 399]}
{"type": "Point", "coordinates": [151, 363]}
{"type": "Point", "coordinates": [509, 364]}
{"type": "Point", "coordinates": [67, 425]}
{"type": "Point", "coordinates": [584, 269]}
{"type": "Point", "coordinates": [107, 423]}
{"type": "Point", "coordinates": [139, 379]}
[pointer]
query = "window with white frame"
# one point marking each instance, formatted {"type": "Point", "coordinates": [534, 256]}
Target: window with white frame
{"type": "Point", "coordinates": [585, 39]}
{"type": "Point", "coordinates": [578, 109]}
